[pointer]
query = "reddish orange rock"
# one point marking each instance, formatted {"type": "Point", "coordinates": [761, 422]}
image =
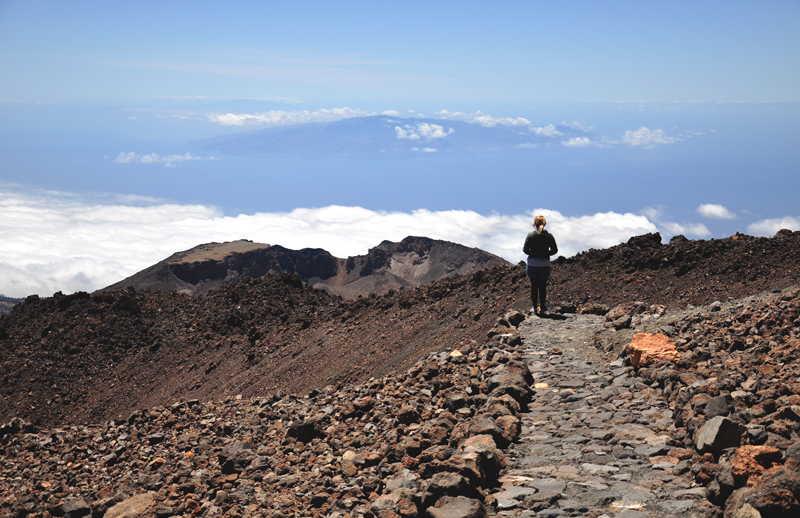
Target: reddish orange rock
{"type": "Point", "coordinates": [372, 458]}
{"type": "Point", "coordinates": [750, 463]}
{"type": "Point", "coordinates": [348, 468]}
{"type": "Point", "coordinates": [649, 348]}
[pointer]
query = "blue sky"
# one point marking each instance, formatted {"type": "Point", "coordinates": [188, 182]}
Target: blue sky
{"type": "Point", "coordinates": [630, 117]}
{"type": "Point", "coordinates": [418, 51]}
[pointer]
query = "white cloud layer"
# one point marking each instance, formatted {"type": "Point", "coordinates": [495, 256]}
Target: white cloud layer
{"type": "Point", "coordinates": [769, 227]}
{"type": "Point", "coordinates": [281, 117]}
{"type": "Point", "coordinates": [479, 118]}
{"type": "Point", "coordinates": [715, 211]}
{"type": "Point", "coordinates": [57, 242]}
{"type": "Point", "coordinates": [647, 138]}
{"type": "Point", "coordinates": [153, 158]}
{"type": "Point", "coordinates": [423, 130]}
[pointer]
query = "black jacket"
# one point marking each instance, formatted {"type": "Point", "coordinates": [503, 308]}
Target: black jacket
{"type": "Point", "coordinates": [540, 245]}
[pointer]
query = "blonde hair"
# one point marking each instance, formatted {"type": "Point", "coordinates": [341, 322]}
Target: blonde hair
{"type": "Point", "coordinates": [539, 222]}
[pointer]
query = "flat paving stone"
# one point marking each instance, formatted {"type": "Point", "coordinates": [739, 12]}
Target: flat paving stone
{"type": "Point", "coordinates": [550, 484]}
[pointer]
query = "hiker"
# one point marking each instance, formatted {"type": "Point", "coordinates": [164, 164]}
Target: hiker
{"type": "Point", "coordinates": [539, 246]}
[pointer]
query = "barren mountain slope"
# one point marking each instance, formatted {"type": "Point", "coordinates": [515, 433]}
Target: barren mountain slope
{"type": "Point", "coordinates": [415, 261]}
{"type": "Point", "coordinates": [80, 358]}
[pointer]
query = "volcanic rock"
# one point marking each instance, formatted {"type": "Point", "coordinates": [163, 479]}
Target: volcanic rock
{"type": "Point", "coordinates": [279, 454]}
{"type": "Point", "coordinates": [75, 508]}
{"type": "Point", "coordinates": [717, 434]}
{"type": "Point", "coordinates": [135, 507]}
{"type": "Point", "coordinates": [647, 348]}
{"type": "Point", "coordinates": [750, 462]}
{"type": "Point", "coordinates": [458, 507]}
{"type": "Point", "coordinates": [719, 406]}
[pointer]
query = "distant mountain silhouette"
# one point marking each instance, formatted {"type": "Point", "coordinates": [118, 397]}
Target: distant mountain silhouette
{"type": "Point", "coordinates": [415, 261]}
{"type": "Point", "coordinates": [378, 136]}
{"type": "Point", "coordinates": [6, 303]}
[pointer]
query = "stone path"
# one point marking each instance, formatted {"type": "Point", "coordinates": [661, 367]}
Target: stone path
{"type": "Point", "coordinates": [595, 442]}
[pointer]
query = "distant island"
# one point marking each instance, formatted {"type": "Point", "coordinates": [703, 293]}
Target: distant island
{"type": "Point", "coordinates": [386, 136]}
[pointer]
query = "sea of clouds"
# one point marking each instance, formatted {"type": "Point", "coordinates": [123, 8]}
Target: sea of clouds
{"type": "Point", "coordinates": [56, 241]}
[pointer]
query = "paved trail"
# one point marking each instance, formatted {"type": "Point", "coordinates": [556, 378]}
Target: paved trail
{"type": "Point", "coordinates": [595, 440]}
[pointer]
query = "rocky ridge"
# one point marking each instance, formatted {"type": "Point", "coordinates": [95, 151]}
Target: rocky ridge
{"type": "Point", "coordinates": [414, 261]}
{"type": "Point", "coordinates": [680, 272]}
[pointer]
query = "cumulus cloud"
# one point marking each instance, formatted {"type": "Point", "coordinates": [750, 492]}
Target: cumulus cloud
{"type": "Point", "coordinates": [479, 118]}
{"type": "Point", "coordinates": [714, 211]}
{"type": "Point", "coordinates": [546, 131]}
{"type": "Point", "coordinates": [408, 133]}
{"type": "Point", "coordinates": [422, 130]}
{"type": "Point", "coordinates": [281, 117]}
{"type": "Point", "coordinates": [59, 242]}
{"type": "Point", "coordinates": [687, 229]}
{"type": "Point", "coordinates": [696, 230]}
{"type": "Point", "coordinates": [578, 142]}
{"type": "Point", "coordinates": [769, 227]}
{"type": "Point", "coordinates": [580, 125]}
{"type": "Point", "coordinates": [153, 158]}
{"type": "Point", "coordinates": [647, 138]}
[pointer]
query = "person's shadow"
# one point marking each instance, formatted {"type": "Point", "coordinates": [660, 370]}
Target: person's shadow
{"type": "Point", "coordinates": [553, 316]}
